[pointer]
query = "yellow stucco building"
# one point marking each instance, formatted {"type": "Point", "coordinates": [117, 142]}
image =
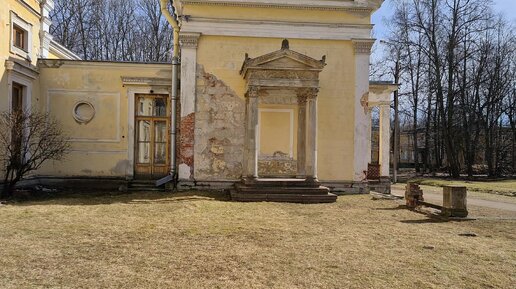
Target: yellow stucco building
{"type": "Point", "coordinates": [268, 89]}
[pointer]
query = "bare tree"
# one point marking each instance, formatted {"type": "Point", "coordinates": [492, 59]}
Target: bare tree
{"type": "Point", "coordinates": [27, 140]}
{"type": "Point", "coordinates": [458, 73]}
{"type": "Point", "coordinates": [113, 30]}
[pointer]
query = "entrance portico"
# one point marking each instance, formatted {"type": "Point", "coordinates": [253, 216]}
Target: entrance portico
{"type": "Point", "coordinates": [306, 98]}
{"type": "Point", "coordinates": [297, 76]}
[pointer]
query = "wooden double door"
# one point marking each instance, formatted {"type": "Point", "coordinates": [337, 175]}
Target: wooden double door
{"type": "Point", "coordinates": [152, 141]}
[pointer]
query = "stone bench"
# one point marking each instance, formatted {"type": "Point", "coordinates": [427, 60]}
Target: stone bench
{"type": "Point", "coordinates": [454, 200]}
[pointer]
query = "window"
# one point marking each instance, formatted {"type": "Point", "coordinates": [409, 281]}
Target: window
{"type": "Point", "coordinates": [19, 36]}
{"type": "Point", "coordinates": [17, 107]}
{"type": "Point", "coordinates": [17, 97]}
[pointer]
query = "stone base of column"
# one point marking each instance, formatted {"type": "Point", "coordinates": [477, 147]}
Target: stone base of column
{"type": "Point", "coordinates": [382, 185]}
{"type": "Point", "coordinates": [282, 190]}
{"type": "Point", "coordinates": [249, 179]}
{"type": "Point", "coordinates": [312, 180]}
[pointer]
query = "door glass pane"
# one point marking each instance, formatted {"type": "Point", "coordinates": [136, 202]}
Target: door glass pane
{"type": "Point", "coordinates": [160, 131]}
{"type": "Point", "coordinates": [145, 106]}
{"type": "Point", "coordinates": [160, 153]}
{"type": "Point", "coordinates": [151, 106]}
{"type": "Point", "coordinates": [144, 153]}
{"type": "Point", "coordinates": [144, 129]}
{"type": "Point", "coordinates": [160, 107]}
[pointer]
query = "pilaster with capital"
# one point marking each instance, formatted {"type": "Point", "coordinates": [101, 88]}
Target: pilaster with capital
{"type": "Point", "coordinates": [362, 116]}
{"type": "Point", "coordinates": [301, 134]}
{"type": "Point", "coordinates": [188, 44]}
{"type": "Point", "coordinates": [251, 145]}
{"type": "Point", "coordinates": [307, 134]}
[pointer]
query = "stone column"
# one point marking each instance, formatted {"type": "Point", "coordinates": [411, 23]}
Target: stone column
{"type": "Point", "coordinates": [251, 151]}
{"type": "Point", "coordinates": [385, 139]}
{"type": "Point", "coordinates": [188, 43]}
{"type": "Point", "coordinates": [362, 149]}
{"type": "Point", "coordinates": [301, 136]}
{"type": "Point", "coordinates": [311, 136]}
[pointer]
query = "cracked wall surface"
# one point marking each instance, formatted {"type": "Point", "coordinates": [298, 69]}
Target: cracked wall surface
{"type": "Point", "coordinates": [219, 130]}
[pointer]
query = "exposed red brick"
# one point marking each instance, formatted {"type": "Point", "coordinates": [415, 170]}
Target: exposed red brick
{"type": "Point", "coordinates": [186, 140]}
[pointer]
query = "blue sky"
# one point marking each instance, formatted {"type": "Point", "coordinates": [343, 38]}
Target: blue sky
{"type": "Point", "coordinates": [508, 7]}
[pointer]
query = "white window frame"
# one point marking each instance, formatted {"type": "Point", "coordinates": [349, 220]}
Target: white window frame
{"type": "Point", "coordinates": [27, 27]}
{"type": "Point", "coordinates": [27, 91]}
{"type": "Point", "coordinates": [26, 83]}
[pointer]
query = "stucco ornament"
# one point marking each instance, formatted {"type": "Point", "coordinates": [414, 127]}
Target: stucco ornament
{"type": "Point", "coordinates": [364, 101]}
{"type": "Point", "coordinates": [83, 112]}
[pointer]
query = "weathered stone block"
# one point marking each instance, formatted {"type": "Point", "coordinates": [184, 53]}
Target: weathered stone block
{"type": "Point", "coordinates": [413, 195]}
{"type": "Point", "coordinates": [455, 201]}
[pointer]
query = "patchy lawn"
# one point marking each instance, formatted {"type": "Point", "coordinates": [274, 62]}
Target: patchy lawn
{"type": "Point", "coordinates": [199, 241]}
{"type": "Point", "coordinates": [502, 187]}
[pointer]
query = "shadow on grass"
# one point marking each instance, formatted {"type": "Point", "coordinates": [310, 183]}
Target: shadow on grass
{"type": "Point", "coordinates": [107, 198]}
{"type": "Point", "coordinates": [437, 219]}
{"type": "Point", "coordinates": [400, 207]}
{"type": "Point", "coordinates": [425, 221]}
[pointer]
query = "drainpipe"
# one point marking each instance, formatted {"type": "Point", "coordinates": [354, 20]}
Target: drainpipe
{"type": "Point", "coordinates": [175, 80]}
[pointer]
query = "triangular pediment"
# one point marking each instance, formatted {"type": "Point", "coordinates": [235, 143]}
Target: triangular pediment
{"type": "Point", "coordinates": [283, 59]}
{"type": "Point", "coordinates": [286, 59]}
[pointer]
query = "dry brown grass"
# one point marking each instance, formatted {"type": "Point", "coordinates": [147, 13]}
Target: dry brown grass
{"type": "Point", "coordinates": [187, 241]}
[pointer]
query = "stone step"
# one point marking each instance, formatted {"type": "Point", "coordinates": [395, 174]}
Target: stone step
{"type": "Point", "coordinates": [281, 183]}
{"type": "Point", "coordinates": [290, 198]}
{"type": "Point", "coordinates": [320, 190]}
{"type": "Point", "coordinates": [146, 189]}
{"type": "Point", "coordinates": [144, 186]}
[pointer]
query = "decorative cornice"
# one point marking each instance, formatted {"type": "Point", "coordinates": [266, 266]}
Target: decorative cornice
{"type": "Point", "coordinates": [363, 46]}
{"type": "Point", "coordinates": [29, 8]}
{"type": "Point", "coordinates": [276, 29]}
{"type": "Point", "coordinates": [50, 63]}
{"type": "Point", "coordinates": [61, 51]}
{"type": "Point", "coordinates": [380, 93]}
{"type": "Point", "coordinates": [276, 22]}
{"type": "Point", "coordinates": [343, 6]}
{"type": "Point", "coordinates": [146, 81]}
{"type": "Point", "coordinates": [29, 71]}
{"type": "Point", "coordinates": [189, 40]}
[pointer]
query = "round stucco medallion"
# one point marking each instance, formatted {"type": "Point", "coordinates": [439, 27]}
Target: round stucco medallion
{"type": "Point", "coordinates": [83, 112]}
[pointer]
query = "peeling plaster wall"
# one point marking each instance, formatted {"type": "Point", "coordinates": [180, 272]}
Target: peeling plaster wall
{"type": "Point", "coordinates": [219, 130]}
